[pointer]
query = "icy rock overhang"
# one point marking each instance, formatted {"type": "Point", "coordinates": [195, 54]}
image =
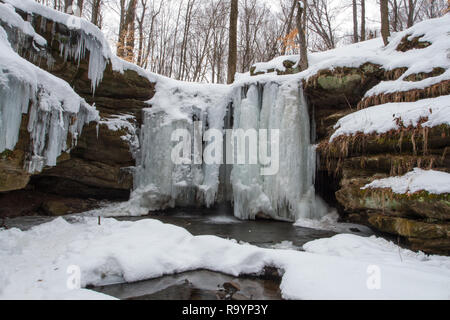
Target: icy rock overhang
{"type": "Point", "coordinates": [77, 39]}
{"type": "Point", "coordinates": [59, 48]}
{"type": "Point", "coordinates": [55, 113]}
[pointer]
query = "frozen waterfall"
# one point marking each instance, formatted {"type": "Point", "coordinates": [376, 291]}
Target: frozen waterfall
{"type": "Point", "coordinates": [288, 194]}
{"type": "Point", "coordinates": [159, 182]}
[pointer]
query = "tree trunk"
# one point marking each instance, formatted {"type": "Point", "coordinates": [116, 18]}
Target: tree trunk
{"type": "Point", "coordinates": [232, 50]}
{"type": "Point", "coordinates": [95, 12]}
{"type": "Point", "coordinates": [121, 40]}
{"type": "Point", "coordinates": [130, 37]}
{"type": "Point", "coordinates": [80, 4]}
{"type": "Point", "coordinates": [395, 22]}
{"type": "Point", "coordinates": [384, 10]}
{"type": "Point", "coordinates": [125, 45]}
{"type": "Point", "coordinates": [67, 4]}
{"type": "Point", "coordinates": [410, 21]}
{"type": "Point", "coordinates": [301, 27]}
{"type": "Point", "coordinates": [355, 22]}
{"type": "Point", "coordinates": [363, 20]}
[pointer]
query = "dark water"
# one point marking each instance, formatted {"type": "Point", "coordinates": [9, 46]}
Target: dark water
{"type": "Point", "coordinates": [220, 222]}
{"type": "Point", "coordinates": [196, 285]}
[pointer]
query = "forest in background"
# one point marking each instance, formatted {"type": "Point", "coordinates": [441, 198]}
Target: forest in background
{"type": "Point", "coordinates": [189, 39]}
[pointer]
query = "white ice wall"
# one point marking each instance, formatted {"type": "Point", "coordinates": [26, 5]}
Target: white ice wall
{"type": "Point", "coordinates": [289, 194]}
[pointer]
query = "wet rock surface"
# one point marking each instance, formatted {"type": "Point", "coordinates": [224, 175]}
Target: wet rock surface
{"type": "Point", "coordinates": [32, 203]}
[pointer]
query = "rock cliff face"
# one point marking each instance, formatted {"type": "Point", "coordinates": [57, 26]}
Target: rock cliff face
{"type": "Point", "coordinates": [420, 221]}
{"type": "Point", "coordinates": [99, 166]}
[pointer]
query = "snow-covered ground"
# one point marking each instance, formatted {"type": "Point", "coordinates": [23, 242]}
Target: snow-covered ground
{"type": "Point", "coordinates": [434, 182]}
{"type": "Point", "coordinates": [41, 262]}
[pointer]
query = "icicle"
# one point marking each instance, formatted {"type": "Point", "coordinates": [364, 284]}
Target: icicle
{"type": "Point", "coordinates": [14, 98]}
{"type": "Point", "coordinates": [97, 61]}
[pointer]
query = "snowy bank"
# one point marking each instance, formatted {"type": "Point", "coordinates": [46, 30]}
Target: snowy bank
{"type": "Point", "coordinates": [434, 182]}
{"type": "Point", "coordinates": [35, 262]}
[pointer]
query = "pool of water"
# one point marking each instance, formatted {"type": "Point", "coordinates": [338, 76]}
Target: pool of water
{"type": "Point", "coordinates": [196, 285]}
{"type": "Point", "coordinates": [221, 223]}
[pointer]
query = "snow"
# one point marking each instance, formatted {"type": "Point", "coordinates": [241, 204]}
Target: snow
{"type": "Point", "coordinates": [372, 248]}
{"type": "Point", "coordinates": [275, 64]}
{"type": "Point", "coordinates": [436, 31]}
{"type": "Point", "coordinates": [329, 222]}
{"type": "Point", "coordinates": [393, 116]}
{"type": "Point", "coordinates": [434, 182]}
{"type": "Point", "coordinates": [55, 110]}
{"type": "Point", "coordinates": [12, 19]}
{"type": "Point", "coordinates": [34, 263]}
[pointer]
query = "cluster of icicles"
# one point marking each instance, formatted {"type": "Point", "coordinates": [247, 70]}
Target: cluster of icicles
{"type": "Point", "coordinates": [50, 125]}
{"type": "Point", "coordinates": [55, 121]}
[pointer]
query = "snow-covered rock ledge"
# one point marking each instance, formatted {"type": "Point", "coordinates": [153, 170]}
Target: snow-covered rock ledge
{"type": "Point", "coordinates": [431, 181]}
{"type": "Point", "coordinates": [394, 116]}
{"type": "Point", "coordinates": [35, 262]}
{"type": "Point", "coordinates": [56, 114]}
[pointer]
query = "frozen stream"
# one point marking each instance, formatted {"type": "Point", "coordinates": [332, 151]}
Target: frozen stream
{"type": "Point", "coordinates": [201, 284]}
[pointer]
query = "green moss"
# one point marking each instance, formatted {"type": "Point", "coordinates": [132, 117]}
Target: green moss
{"type": "Point", "coordinates": [421, 196]}
{"type": "Point", "coordinates": [6, 154]}
{"type": "Point", "coordinates": [424, 75]}
{"type": "Point", "coordinates": [337, 82]}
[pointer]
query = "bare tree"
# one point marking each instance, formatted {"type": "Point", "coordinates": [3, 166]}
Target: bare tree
{"type": "Point", "coordinates": [80, 4]}
{"type": "Point", "coordinates": [232, 51]}
{"type": "Point", "coordinates": [321, 23]}
{"type": "Point", "coordinates": [384, 11]}
{"type": "Point", "coordinates": [67, 4]}
{"type": "Point", "coordinates": [355, 22]}
{"type": "Point", "coordinates": [411, 6]}
{"type": "Point", "coordinates": [125, 45]}
{"type": "Point", "coordinates": [140, 22]}
{"type": "Point", "coordinates": [95, 15]}
{"type": "Point", "coordinates": [301, 27]}
{"type": "Point", "coordinates": [363, 20]}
